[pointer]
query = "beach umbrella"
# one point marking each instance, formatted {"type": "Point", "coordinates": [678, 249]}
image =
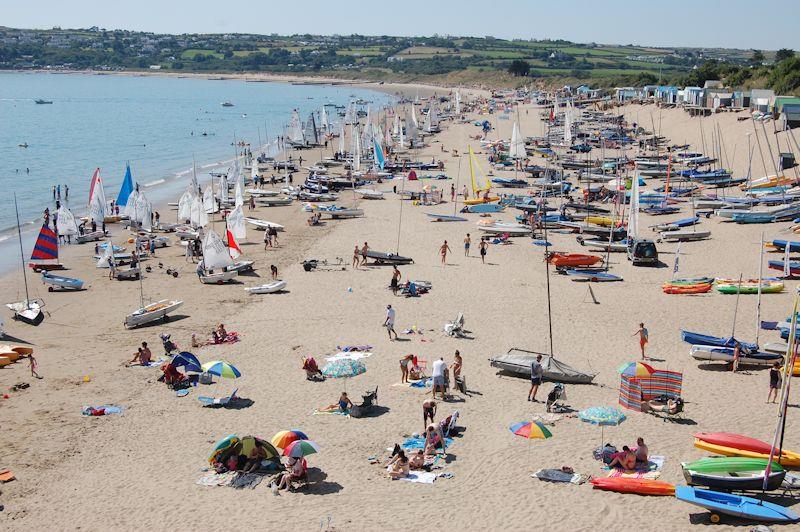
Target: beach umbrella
{"type": "Point", "coordinates": [251, 442]}
{"type": "Point", "coordinates": [300, 448]}
{"type": "Point", "coordinates": [221, 369]}
{"type": "Point", "coordinates": [635, 369]}
{"type": "Point", "coordinates": [222, 445]}
{"type": "Point", "coordinates": [531, 430]}
{"type": "Point", "coordinates": [343, 368]}
{"type": "Point", "coordinates": [187, 361]}
{"type": "Point", "coordinates": [282, 439]}
{"type": "Point", "coordinates": [603, 416]}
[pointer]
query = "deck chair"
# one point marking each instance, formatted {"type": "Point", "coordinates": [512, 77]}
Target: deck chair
{"type": "Point", "coordinates": [456, 327]}
{"type": "Point", "coordinates": [448, 423]}
{"type": "Point", "coordinates": [222, 401]}
{"type": "Point", "coordinates": [370, 399]}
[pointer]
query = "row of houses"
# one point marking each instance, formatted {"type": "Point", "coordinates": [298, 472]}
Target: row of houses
{"type": "Point", "coordinates": [713, 96]}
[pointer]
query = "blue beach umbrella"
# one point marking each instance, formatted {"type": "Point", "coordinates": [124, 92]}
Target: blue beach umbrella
{"type": "Point", "coordinates": [603, 416]}
{"type": "Point", "coordinates": [188, 361]}
{"type": "Point", "coordinates": [344, 368]}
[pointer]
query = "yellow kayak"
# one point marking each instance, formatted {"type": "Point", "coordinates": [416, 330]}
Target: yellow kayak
{"type": "Point", "coordinates": [788, 458]}
{"type": "Point", "coordinates": [478, 201]}
{"type": "Point", "coordinates": [603, 221]}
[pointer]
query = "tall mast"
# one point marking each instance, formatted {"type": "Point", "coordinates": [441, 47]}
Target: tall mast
{"type": "Point", "coordinates": [22, 255]}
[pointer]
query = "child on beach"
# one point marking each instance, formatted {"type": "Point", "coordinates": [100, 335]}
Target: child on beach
{"type": "Point", "coordinates": [34, 365]}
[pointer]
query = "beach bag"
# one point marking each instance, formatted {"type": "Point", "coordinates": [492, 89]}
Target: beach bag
{"type": "Point", "coordinates": [605, 453]}
{"type": "Point", "coordinates": [206, 378]}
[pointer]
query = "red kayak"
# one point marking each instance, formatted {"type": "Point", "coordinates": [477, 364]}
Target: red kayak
{"type": "Point", "coordinates": [641, 486]}
{"type": "Point", "coordinates": [735, 441]}
{"type": "Point", "coordinates": [561, 260]}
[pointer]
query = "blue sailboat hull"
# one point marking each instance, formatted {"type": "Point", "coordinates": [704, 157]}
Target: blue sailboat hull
{"type": "Point", "coordinates": [735, 505]}
{"type": "Point", "coordinates": [704, 339]}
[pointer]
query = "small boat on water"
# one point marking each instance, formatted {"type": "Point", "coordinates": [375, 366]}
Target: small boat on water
{"type": "Point", "coordinates": [226, 104]}
{"type": "Point", "coordinates": [268, 288]}
{"type": "Point", "coordinates": [518, 362]}
{"type": "Point", "coordinates": [40, 101]}
{"type": "Point", "coordinates": [152, 312]}
{"type": "Point", "coordinates": [58, 281]}
{"type": "Point", "coordinates": [735, 505]}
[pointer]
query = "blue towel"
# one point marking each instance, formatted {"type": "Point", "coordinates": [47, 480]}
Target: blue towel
{"type": "Point", "coordinates": [419, 443]}
{"type": "Point", "coordinates": [424, 383]}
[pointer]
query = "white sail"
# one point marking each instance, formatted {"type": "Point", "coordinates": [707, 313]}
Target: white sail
{"type": "Point", "coordinates": [458, 103]}
{"type": "Point", "coordinates": [105, 257]}
{"type": "Point", "coordinates": [295, 129]}
{"type": "Point", "coordinates": [209, 203]}
{"type": "Point", "coordinates": [144, 211]}
{"type": "Point", "coordinates": [254, 171]}
{"type": "Point", "coordinates": [215, 252]}
{"type": "Point", "coordinates": [236, 223]}
{"type": "Point", "coordinates": [199, 218]}
{"type": "Point", "coordinates": [223, 188]}
{"type": "Point", "coordinates": [130, 206]}
{"type": "Point", "coordinates": [567, 126]}
{"type": "Point", "coordinates": [357, 153]}
{"type": "Point", "coordinates": [396, 125]}
{"type": "Point", "coordinates": [402, 139]}
{"type": "Point", "coordinates": [97, 199]}
{"type": "Point", "coordinates": [323, 119]}
{"type": "Point", "coordinates": [66, 222]}
{"type": "Point", "coordinates": [414, 117]}
{"type": "Point", "coordinates": [517, 147]}
{"type": "Point", "coordinates": [238, 193]}
{"type": "Point", "coordinates": [193, 186]}
{"type": "Point", "coordinates": [633, 217]}
{"type": "Point", "coordinates": [411, 127]}
{"type": "Point", "coordinates": [185, 206]}
{"type": "Point", "coordinates": [341, 137]}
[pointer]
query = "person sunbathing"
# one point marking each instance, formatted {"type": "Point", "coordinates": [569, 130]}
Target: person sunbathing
{"type": "Point", "coordinates": [344, 405]}
{"type": "Point", "coordinates": [625, 460]}
{"type": "Point", "coordinates": [434, 439]}
{"type": "Point", "coordinates": [137, 357]}
{"type": "Point", "coordinates": [399, 468]}
{"type": "Point", "coordinates": [222, 334]}
{"type": "Point", "coordinates": [641, 451]}
{"type": "Point", "coordinates": [254, 460]}
{"type": "Point", "coordinates": [417, 460]}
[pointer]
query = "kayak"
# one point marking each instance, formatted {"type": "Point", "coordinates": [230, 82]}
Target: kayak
{"type": "Point", "coordinates": [737, 441]}
{"type": "Point", "coordinates": [640, 486]}
{"type": "Point", "coordinates": [686, 288]}
{"type": "Point", "coordinates": [478, 201]}
{"type": "Point", "coordinates": [735, 505]}
{"type": "Point", "coordinates": [593, 276]}
{"type": "Point", "coordinates": [730, 464]}
{"type": "Point", "coordinates": [787, 458]}
{"type": "Point", "coordinates": [735, 473]}
{"type": "Point", "coordinates": [572, 259]}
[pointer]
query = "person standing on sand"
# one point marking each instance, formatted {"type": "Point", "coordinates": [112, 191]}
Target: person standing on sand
{"type": "Point", "coordinates": [465, 193]}
{"type": "Point", "coordinates": [364, 251]}
{"type": "Point", "coordinates": [774, 382]}
{"type": "Point", "coordinates": [395, 279]}
{"type": "Point", "coordinates": [34, 365]}
{"type": "Point", "coordinates": [251, 203]}
{"type": "Point", "coordinates": [536, 378]}
{"type": "Point", "coordinates": [452, 192]}
{"type": "Point", "coordinates": [443, 249]}
{"type": "Point", "coordinates": [644, 337]}
{"type": "Point", "coordinates": [356, 257]}
{"type": "Point", "coordinates": [737, 352]}
{"type": "Point", "coordinates": [389, 322]}
{"type": "Point", "coordinates": [437, 374]}
{"type": "Point", "coordinates": [273, 271]}
{"type": "Point", "coordinates": [467, 242]}
{"type": "Point", "coordinates": [428, 412]}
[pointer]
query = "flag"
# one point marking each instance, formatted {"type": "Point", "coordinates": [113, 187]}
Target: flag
{"type": "Point", "coordinates": [233, 246]}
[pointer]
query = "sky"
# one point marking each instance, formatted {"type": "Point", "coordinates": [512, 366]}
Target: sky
{"type": "Point", "coordinates": [745, 24]}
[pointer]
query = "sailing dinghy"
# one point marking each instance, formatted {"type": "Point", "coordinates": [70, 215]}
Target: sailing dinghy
{"type": "Point", "coordinates": [518, 362]}
{"type": "Point", "coordinates": [28, 310]}
{"type": "Point", "coordinates": [45, 248]}
{"type": "Point", "coordinates": [214, 268]}
{"type": "Point", "coordinates": [153, 312]}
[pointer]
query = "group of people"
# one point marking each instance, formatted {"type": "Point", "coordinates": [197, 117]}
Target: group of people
{"type": "Point", "coordinates": [630, 459]}
{"type": "Point", "coordinates": [360, 255]}
{"type": "Point", "coordinates": [142, 357]}
{"type": "Point", "coordinates": [270, 237]}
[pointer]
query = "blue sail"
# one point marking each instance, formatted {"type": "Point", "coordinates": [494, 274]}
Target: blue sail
{"type": "Point", "coordinates": [126, 188]}
{"type": "Point", "coordinates": [379, 158]}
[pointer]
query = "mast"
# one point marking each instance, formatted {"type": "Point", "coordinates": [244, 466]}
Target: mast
{"type": "Point", "coordinates": [760, 274]}
{"type": "Point", "coordinates": [22, 255]}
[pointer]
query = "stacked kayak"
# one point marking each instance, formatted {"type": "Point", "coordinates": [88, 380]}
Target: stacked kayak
{"type": "Point", "coordinates": [478, 201]}
{"type": "Point", "coordinates": [698, 285]}
{"type": "Point", "coordinates": [732, 473]}
{"type": "Point", "coordinates": [794, 266]}
{"type": "Point", "coordinates": [640, 486]}
{"type": "Point", "coordinates": [748, 286]}
{"type": "Point", "coordinates": [729, 444]}
{"type": "Point", "coordinates": [677, 224]}
{"type": "Point", "coordinates": [563, 260]}
{"type": "Point", "coordinates": [735, 505]}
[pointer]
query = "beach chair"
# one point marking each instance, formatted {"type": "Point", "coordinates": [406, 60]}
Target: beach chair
{"type": "Point", "coordinates": [456, 327]}
{"type": "Point", "coordinates": [448, 423]}
{"type": "Point", "coordinates": [222, 401]}
{"type": "Point", "coordinates": [419, 370]}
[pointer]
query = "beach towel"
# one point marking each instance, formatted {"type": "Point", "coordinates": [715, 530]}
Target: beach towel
{"type": "Point", "coordinates": [349, 348]}
{"type": "Point", "coordinates": [247, 480]}
{"type": "Point", "coordinates": [352, 355]}
{"type": "Point", "coordinates": [424, 383]}
{"type": "Point", "coordinates": [557, 475]}
{"type": "Point", "coordinates": [419, 443]}
{"type": "Point", "coordinates": [217, 479]}
{"type": "Point", "coordinates": [334, 413]}
{"type": "Point", "coordinates": [103, 410]}
{"type": "Point", "coordinates": [652, 470]}
{"type": "Point", "coordinates": [420, 477]}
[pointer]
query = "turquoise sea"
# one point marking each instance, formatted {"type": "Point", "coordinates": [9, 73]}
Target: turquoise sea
{"type": "Point", "coordinates": [155, 123]}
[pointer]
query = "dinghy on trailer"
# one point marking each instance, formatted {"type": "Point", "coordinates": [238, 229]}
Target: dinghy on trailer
{"type": "Point", "coordinates": [152, 312]}
{"type": "Point", "coordinates": [58, 281]}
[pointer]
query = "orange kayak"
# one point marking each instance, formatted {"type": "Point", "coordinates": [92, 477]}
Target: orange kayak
{"type": "Point", "coordinates": [686, 289]}
{"type": "Point", "coordinates": [572, 259]}
{"type": "Point", "coordinates": [640, 486]}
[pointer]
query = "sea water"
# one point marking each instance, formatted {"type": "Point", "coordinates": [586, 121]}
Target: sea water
{"type": "Point", "coordinates": [160, 125]}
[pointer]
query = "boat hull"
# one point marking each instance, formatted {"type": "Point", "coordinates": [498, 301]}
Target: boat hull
{"type": "Point", "coordinates": [518, 362]}
{"type": "Point", "coordinates": [269, 288]}
{"type": "Point", "coordinates": [735, 505]}
{"type": "Point", "coordinates": [151, 313]}
{"type": "Point", "coordinates": [639, 486]}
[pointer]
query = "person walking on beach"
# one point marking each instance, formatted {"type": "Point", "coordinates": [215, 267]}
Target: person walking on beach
{"type": "Point", "coordinates": [356, 257]}
{"type": "Point", "coordinates": [644, 337]}
{"type": "Point", "coordinates": [774, 382]}
{"type": "Point", "coordinates": [389, 322]}
{"type": "Point", "coordinates": [251, 203]}
{"type": "Point", "coordinates": [483, 247]}
{"type": "Point", "coordinates": [267, 239]}
{"type": "Point", "coordinates": [395, 280]}
{"type": "Point", "coordinates": [465, 193]}
{"type": "Point", "coordinates": [112, 268]}
{"type": "Point", "coordinates": [536, 377]}
{"type": "Point", "coordinates": [452, 192]}
{"type": "Point", "coordinates": [443, 249]}
{"type": "Point", "coordinates": [34, 366]}
{"type": "Point", "coordinates": [467, 242]}
{"type": "Point", "coordinates": [364, 251]}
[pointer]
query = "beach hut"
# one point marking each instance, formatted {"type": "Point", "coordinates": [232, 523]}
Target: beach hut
{"type": "Point", "coordinates": [635, 391]}
{"type": "Point", "coordinates": [760, 100]}
{"type": "Point", "coordinates": [789, 117]}
{"type": "Point", "coordinates": [693, 96]}
{"type": "Point", "coordinates": [780, 101]}
{"type": "Point", "coordinates": [667, 94]}
{"type": "Point", "coordinates": [625, 94]}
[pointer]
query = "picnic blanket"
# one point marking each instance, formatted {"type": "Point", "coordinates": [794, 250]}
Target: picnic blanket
{"type": "Point", "coordinates": [650, 471]}
{"type": "Point", "coordinates": [557, 475]}
{"type": "Point", "coordinates": [420, 477]}
{"type": "Point", "coordinates": [334, 413]}
{"type": "Point", "coordinates": [419, 443]}
{"type": "Point", "coordinates": [424, 383]}
{"type": "Point", "coordinates": [102, 410]}
{"type": "Point", "coordinates": [352, 355]}
{"type": "Point", "coordinates": [212, 478]}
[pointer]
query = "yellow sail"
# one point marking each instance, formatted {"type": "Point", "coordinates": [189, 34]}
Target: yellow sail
{"type": "Point", "coordinates": [479, 181]}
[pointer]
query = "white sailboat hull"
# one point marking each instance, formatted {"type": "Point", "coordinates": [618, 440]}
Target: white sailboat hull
{"type": "Point", "coordinates": [218, 277]}
{"type": "Point", "coordinates": [269, 288]}
{"type": "Point", "coordinates": [152, 312]}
